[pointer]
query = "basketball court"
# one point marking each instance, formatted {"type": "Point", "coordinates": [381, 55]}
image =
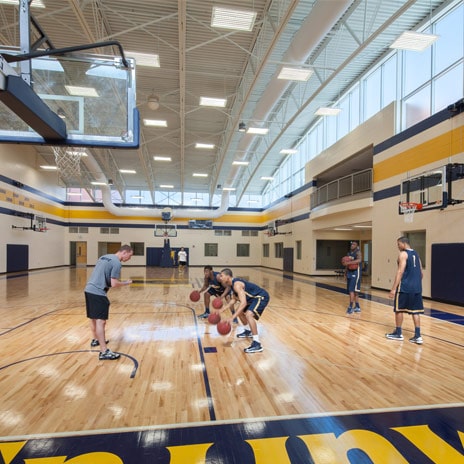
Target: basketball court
{"type": "Point", "coordinates": [183, 393]}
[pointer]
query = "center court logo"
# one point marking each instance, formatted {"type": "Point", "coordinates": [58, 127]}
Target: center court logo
{"type": "Point", "coordinates": [313, 440]}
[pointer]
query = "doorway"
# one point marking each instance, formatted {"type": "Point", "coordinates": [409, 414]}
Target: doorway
{"type": "Point", "coordinates": [78, 254]}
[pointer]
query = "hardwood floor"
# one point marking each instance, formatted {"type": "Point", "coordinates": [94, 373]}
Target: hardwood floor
{"type": "Point", "coordinates": [176, 369]}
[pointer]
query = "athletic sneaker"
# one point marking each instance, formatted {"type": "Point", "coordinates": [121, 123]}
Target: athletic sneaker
{"type": "Point", "coordinates": [95, 342]}
{"type": "Point", "coordinates": [394, 336]}
{"type": "Point", "coordinates": [349, 310]}
{"type": "Point", "coordinates": [108, 354]}
{"type": "Point", "coordinates": [357, 309]}
{"type": "Point", "coordinates": [417, 340]}
{"type": "Point", "coordinates": [204, 315]}
{"type": "Point", "coordinates": [245, 334]}
{"type": "Point", "coordinates": [255, 347]}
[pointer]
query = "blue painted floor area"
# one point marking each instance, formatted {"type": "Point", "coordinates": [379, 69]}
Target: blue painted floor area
{"type": "Point", "coordinates": [400, 436]}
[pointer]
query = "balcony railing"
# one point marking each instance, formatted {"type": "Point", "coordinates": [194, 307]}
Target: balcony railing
{"type": "Point", "coordinates": [343, 187]}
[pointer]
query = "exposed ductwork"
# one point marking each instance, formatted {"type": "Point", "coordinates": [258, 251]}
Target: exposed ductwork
{"type": "Point", "coordinates": [321, 19]}
{"type": "Point", "coordinates": [96, 171]}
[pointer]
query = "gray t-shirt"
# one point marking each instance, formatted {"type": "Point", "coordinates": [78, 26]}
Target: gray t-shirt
{"type": "Point", "coordinates": [108, 267]}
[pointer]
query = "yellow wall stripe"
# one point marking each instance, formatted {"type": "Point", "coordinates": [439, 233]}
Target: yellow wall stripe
{"type": "Point", "coordinates": [436, 149]}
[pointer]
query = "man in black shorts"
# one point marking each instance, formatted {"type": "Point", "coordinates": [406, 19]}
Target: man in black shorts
{"type": "Point", "coordinates": [104, 276]}
{"type": "Point", "coordinates": [407, 291]}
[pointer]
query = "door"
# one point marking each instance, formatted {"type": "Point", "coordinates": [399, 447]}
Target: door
{"type": "Point", "coordinates": [288, 259]}
{"type": "Point", "coordinates": [81, 253]}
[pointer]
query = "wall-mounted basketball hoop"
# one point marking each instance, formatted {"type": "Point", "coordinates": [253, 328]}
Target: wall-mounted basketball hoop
{"type": "Point", "coordinates": [408, 208]}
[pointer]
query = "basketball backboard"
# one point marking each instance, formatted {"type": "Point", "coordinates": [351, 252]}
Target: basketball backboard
{"type": "Point", "coordinates": [427, 189]}
{"type": "Point", "coordinates": [93, 95]}
{"type": "Point", "coordinates": [165, 230]}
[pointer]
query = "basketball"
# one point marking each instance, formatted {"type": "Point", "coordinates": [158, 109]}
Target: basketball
{"type": "Point", "coordinates": [217, 303]}
{"type": "Point", "coordinates": [224, 328]}
{"type": "Point", "coordinates": [214, 318]}
{"type": "Point", "coordinates": [346, 260]}
{"type": "Point", "coordinates": [194, 295]}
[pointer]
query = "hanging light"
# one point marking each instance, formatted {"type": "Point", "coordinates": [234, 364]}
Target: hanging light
{"type": "Point", "coordinates": [153, 102]}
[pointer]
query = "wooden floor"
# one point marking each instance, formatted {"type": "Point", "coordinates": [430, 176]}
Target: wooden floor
{"type": "Point", "coordinates": [175, 369]}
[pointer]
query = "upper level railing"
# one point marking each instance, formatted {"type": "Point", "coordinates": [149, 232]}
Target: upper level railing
{"type": "Point", "coordinates": [343, 187]}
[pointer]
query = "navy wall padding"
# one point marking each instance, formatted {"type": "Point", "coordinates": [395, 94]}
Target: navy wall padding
{"type": "Point", "coordinates": [447, 272]}
{"type": "Point", "coordinates": [17, 258]}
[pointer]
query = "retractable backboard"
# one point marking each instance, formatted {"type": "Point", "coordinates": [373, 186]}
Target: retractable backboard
{"type": "Point", "coordinates": [93, 95]}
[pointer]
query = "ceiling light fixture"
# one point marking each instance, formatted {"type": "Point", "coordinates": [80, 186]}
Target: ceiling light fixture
{"type": "Point", "coordinates": [127, 171]}
{"type": "Point", "coordinates": [166, 186]}
{"type": "Point", "coordinates": [242, 127]}
{"type": "Point", "coordinates": [414, 41]}
{"type": "Point", "coordinates": [288, 151]}
{"type": "Point", "coordinates": [295, 74]}
{"type": "Point", "coordinates": [145, 59]}
{"type": "Point", "coordinates": [267, 178]}
{"type": "Point", "coordinates": [49, 168]}
{"type": "Point", "coordinates": [241, 163]}
{"type": "Point", "coordinates": [216, 102]}
{"type": "Point", "coordinates": [199, 174]}
{"type": "Point", "coordinates": [227, 18]}
{"type": "Point", "coordinates": [208, 146]}
{"type": "Point", "coordinates": [98, 183]}
{"type": "Point", "coordinates": [229, 189]}
{"type": "Point", "coordinates": [258, 130]}
{"type": "Point", "coordinates": [162, 158]}
{"type": "Point", "coordinates": [153, 102]}
{"type": "Point", "coordinates": [325, 111]}
{"type": "Point", "coordinates": [155, 123]}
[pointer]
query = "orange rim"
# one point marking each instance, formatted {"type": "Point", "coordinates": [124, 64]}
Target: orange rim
{"type": "Point", "coordinates": [410, 205]}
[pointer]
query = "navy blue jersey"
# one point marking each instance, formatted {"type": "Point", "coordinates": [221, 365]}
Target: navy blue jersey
{"type": "Point", "coordinates": [252, 291]}
{"type": "Point", "coordinates": [215, 284]}
{"type": "Point", "coordinates": [411, 281]}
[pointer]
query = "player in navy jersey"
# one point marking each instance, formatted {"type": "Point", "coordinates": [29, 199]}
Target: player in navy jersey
{"type": "Point", "coordinates": [407, 291]}
{"type": "Point", "coordinates": [212, 287]}
{"type": "Point", "coordinates": [252, 302]}
{"type": "Point", "coordinates": [353, 277]}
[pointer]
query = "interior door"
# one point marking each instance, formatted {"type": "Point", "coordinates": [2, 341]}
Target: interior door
{"type": "Point", "coordinates": [81, 253]}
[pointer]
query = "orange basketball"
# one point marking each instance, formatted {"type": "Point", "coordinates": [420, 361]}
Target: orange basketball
{"type": "Point", "coordinates": [214, 318]}
{"type": "Point", "coordinates": [217, 303]}
{"type": "Point", "coordinates": [194, 295]}
{"type": "Point", "coordinates": [224, 328]}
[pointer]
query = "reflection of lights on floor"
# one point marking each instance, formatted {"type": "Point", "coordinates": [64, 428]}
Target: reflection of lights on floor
{"type": "Point", "coordinates": [151, 332]}
{"type": "Point", "coordinates": [255, 427]}
{"type": "Point", "coordinates": [125, 368]}
{"type": "Point", "coordinates": [74, 391]}
{"type": "Point", "coordinates": [9, 418]}
{"type": "Point", "coordinates": [285, 397]}
{"type": "Point", "coordinates": [159, 386]}
{"type": "Point", "coordinates": [117, 411]}
{"type": "Point", "coordinates": [48, 371]}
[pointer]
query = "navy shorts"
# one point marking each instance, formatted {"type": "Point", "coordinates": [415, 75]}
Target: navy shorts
{"type": "Point", "coordinates": [258, 305]}
{"type": "Point", "coordinates": [214, 292]}
{"type": "Point", "coordinates": [410, 303]}
{"type": "Point", "coordinates": [98, 306]}
{"type": "Point", "coordinates": [353, 281]}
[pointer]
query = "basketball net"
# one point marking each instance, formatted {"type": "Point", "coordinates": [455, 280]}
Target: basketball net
{"type": "Point", "coordinates": [408, 210]}
{"type": "Point", "coordinates": [68, 163]}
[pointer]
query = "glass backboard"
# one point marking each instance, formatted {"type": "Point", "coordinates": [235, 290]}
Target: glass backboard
{"type": "Point", "coordinates": [93, 94]}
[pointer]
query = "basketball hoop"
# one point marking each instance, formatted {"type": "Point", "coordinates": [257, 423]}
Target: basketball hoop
{"type": "Point", "coordinates": [408, 208]}
{"type": "Point", "coordinates": [68, 162]}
